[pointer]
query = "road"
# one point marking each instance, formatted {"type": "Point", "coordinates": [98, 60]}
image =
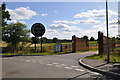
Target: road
{"type": "Point", "coordinates": [55, 66]}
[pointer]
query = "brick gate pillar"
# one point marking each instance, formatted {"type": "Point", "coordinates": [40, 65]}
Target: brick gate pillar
{"type": "Point", "coordinates": [74, 43]}
{"type": "Point", "coordinates": [100, 43]}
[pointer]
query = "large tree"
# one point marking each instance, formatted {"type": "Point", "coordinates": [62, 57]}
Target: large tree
{"type": "Point", "coordinates": [5, 17]}
{"type": "Point", "coordinates": [15, 33]}
{"type": "Point", "coordinates": [55, 40]}
{"type": "Point", "coordinates": [85, 37]}
{"type": "Point", "coordinates": [92, 39]}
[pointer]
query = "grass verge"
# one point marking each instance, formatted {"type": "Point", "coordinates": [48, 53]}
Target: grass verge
{"type": "Point", "coordinates": [10, 54]}
{"type": "Point", "coordinates": [113, 58]}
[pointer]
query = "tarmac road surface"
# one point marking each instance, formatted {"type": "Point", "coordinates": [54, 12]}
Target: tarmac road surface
{"type": "Point", "coordinates": [54, 66]}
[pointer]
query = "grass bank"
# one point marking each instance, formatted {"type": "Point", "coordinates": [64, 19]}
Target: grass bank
{"type": "Point", "coordinates": [25, 54]}
{"type": "Point", "coordinates": [113, 58]}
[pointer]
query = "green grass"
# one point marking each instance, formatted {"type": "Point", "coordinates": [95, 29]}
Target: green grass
{"type": "Point", "coordinates": [93, 42]}
{"type": "Point", "coordinates": [46, 53]}
{"type": "Point", "coordinates": [113, 58]}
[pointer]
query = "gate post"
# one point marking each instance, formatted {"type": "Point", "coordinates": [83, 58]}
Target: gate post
{"type": "Point", "coordinates": [74, 43]}
{"type": "Point", "coordinates": [100, 43]}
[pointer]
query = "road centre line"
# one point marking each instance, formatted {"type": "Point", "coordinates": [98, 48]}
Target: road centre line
{"type": "Point", "coordinates": [94, 73]}
{"type": "Point", "coordinates": [74, 66]}
{"type": "Point", "coordinates": [68, 67]}
{"type": "Point", "coordinates": [63, 64]}
{"type": "Point", "coordinates": [58, 66]}
{"type": "Point", "coordinates": [55, 63]}
{"type": "Point", "coordinates": [79, 70]}
{"type": "Point", "coordinates": [28, 60]}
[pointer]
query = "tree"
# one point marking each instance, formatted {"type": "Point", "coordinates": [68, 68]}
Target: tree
{"type": "Point", "coordinates": [55, 40]}
{"type": "Point", "coordinates": [118, 38]}
{"type": "Point", "coordinates": [15, 33]}
{"type": "Point", "coordinates": [5, 15]}
{"type": "Point", "coordinates": [44, 40]}
{"type": "Point", "coordinates": [92, 39]}
{"type": "Point", "coordinates": [35, 40]}
{"type": "Point", "coordinates": [85, 37]}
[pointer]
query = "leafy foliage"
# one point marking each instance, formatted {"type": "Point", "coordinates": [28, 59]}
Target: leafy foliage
{"type": "Point", "coordinates": [15, 33]}
{"type": "Point", "coordinates": [5, 15]}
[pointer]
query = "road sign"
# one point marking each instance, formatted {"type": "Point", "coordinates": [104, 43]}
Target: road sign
{"type": "Point", "coordinates": [58, 47]}
{"type": "Point", "coordinates": [38, 29]}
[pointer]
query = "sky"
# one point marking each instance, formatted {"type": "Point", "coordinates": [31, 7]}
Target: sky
{"type": "Point", "coordinates": [65, 19]}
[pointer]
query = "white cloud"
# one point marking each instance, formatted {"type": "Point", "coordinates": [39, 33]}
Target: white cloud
{"type": "Point", "coordinates": [64, 27]}
{"type": "Point", "coordinates": [21, 13]}
{"type": "Point", "coordinates": [95, 14]}
{"type": "Point", "coordinates": [64, 22]}
{"type": "Point", "coordinates": [43, 14]}
{"type": "Point", "coordinates": [15, 21]}
{"type": "Point", "coordinates": [114, 21]}
{"type": "Point", "coordinates": [88, 21]}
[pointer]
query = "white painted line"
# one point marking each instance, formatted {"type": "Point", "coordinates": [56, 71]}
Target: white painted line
{"type": "Point", "coordinates": [68, 67]}
{"type": "Point", "coordinates": [58, 66]}
{"type": "Point", "coordinates": [95, 73]}
{"type": "Point", "coordinates": [79, 70]}
{"type": "Point", "coordinates": [63, 64]}
{"type": "Point", "coordinates": [27, 60]}
{"type": "Point", "coordinates": [49, 64]}
{"type": "Point", "coordinates": [74, 66]}
{"type": "Point", "coordinates": [55, 63]}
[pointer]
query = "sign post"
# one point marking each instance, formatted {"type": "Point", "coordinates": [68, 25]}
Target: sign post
{"type": "Point", "coordinates": [38, 30]}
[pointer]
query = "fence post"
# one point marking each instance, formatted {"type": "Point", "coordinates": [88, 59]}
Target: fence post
{"type": "Point", "coordinates": [74, 43]}
{"type": "Point", "coordinates": [100, 43]}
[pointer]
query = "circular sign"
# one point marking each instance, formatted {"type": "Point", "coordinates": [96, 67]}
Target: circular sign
{"type": "Point", "coordinates": [38, 29]}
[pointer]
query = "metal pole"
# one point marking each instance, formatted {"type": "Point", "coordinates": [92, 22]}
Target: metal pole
{"type": "Point", "coordinates": [107, 42]}
{"type": "Point", "coordinates": [41, 44]}
{"type": "Point", "coordinates": [35, 47]}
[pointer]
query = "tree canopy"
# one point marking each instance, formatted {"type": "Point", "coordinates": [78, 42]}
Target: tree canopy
{"type": "Point", "coordinates": [15, 32]}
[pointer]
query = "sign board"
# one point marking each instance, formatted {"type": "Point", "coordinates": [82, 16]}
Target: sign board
{"type": "Point", "coordinates": [58, 47]}
{"type": "Point", "coordinates": [38, 29]}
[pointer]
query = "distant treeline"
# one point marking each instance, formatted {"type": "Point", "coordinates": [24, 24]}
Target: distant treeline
{"type": "Point", "coordinates": [45, 40]}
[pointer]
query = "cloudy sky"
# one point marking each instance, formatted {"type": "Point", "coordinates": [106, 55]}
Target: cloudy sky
{"type": "Point", "coordinates": [64, 19]}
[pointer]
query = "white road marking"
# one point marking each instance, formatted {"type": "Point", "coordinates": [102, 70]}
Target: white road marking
{"type": "Point", "coordinates": [79, 70]}
{"type": "Point", "coordinates": [74, 66]}
{"type": "Point", "coordinates": [68, 67]}
{"type": "Point", "coordinates": [55, 63]}
{"type": "Point", "coordinates": [95, 73]}
{"type": "Point", "coordinates": [49, 64]}
{"type": "Point", "coordinates": [63, 64]}
{"type": "Point", "coordinates": [58, 66]}
{"type": "Point", "coordinates": [27, 60]}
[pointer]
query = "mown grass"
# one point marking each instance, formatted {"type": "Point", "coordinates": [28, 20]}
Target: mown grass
{"type": "Point", "coordinates": [113, 58]}
{"type": "Point", "coordinates": [46, 53]}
